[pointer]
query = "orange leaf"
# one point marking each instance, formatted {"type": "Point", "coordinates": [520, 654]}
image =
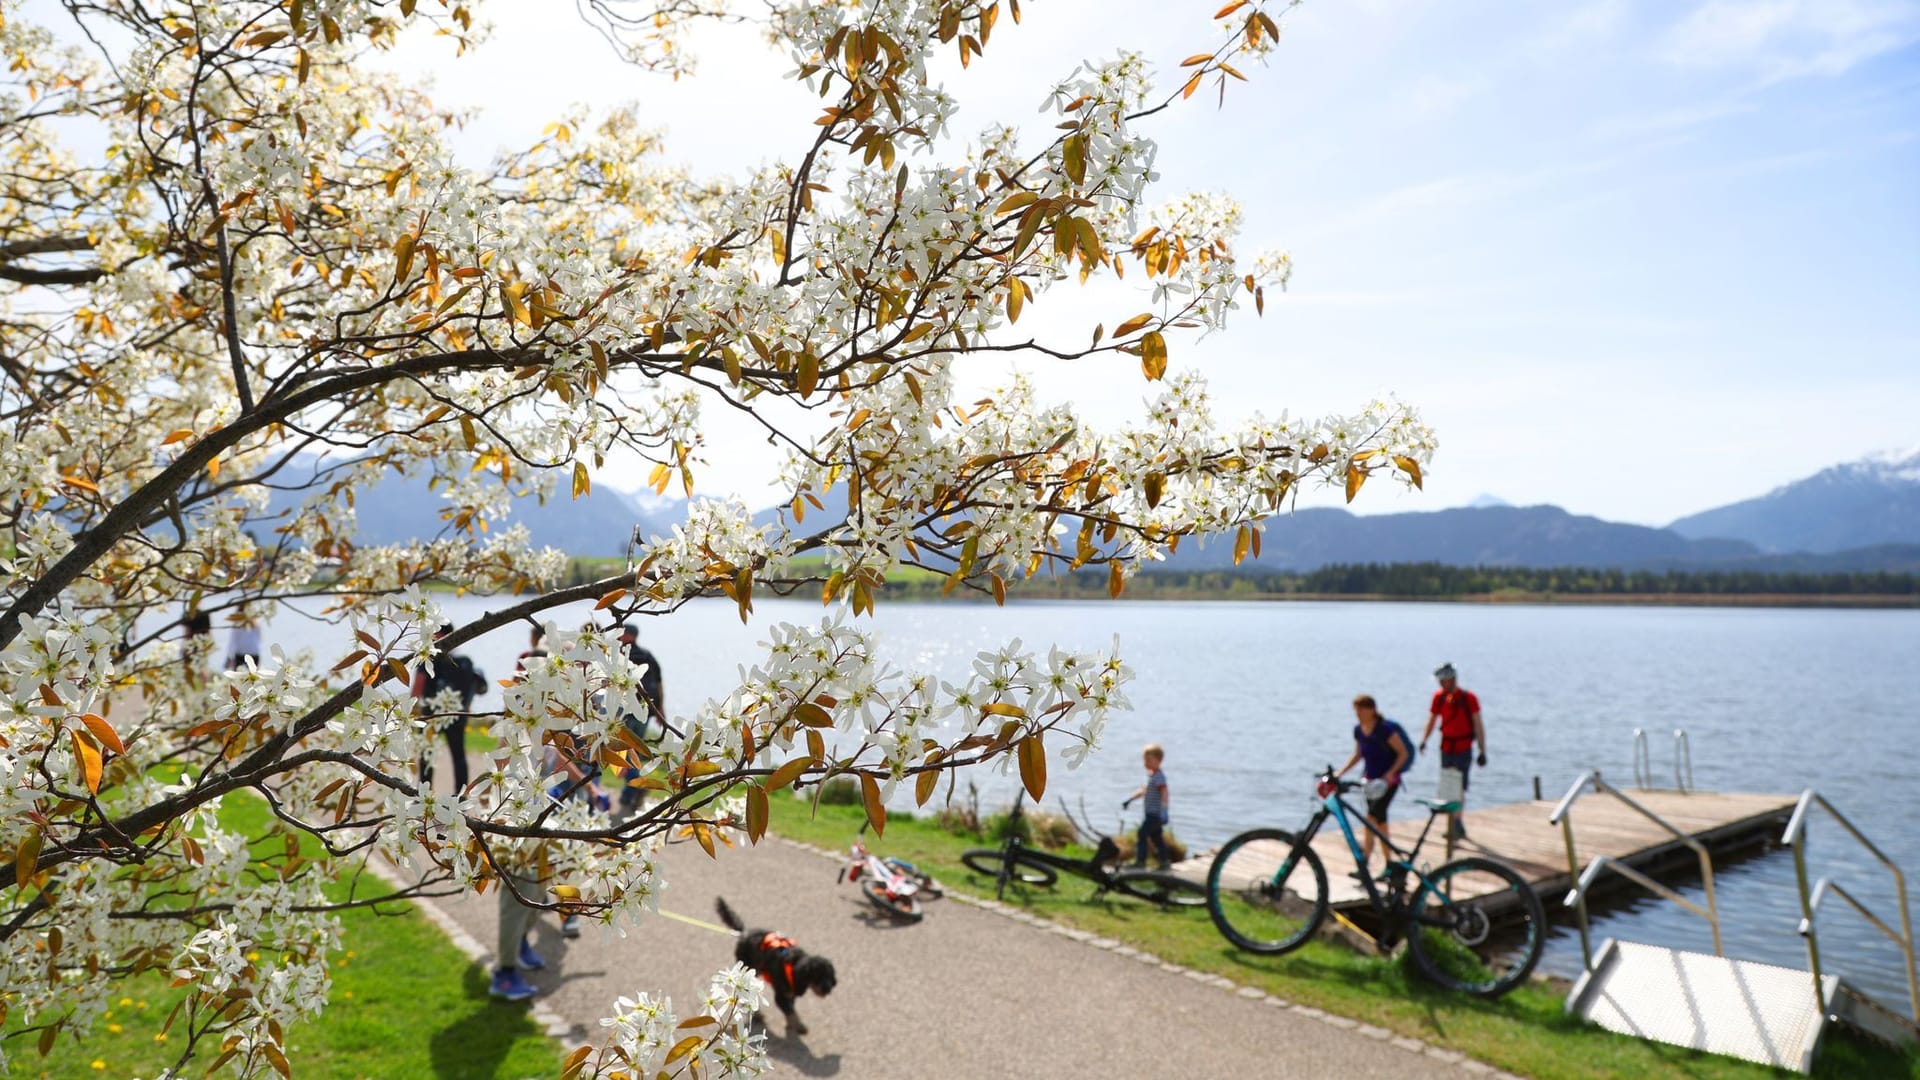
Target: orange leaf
{"type": "Point", "coordinates": [103, 731]}
{"type": "Point", "coordinates": [89, 758]}
{"type": "Point", "coordinates": [876, 810]}
{"type": "Point", "coordinates": [1033, 766]}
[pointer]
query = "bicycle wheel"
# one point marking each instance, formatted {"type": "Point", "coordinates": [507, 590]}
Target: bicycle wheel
{"type": "Point", "coordinates": [1161, 887]}
{"type": "Point", "coordinates": [902, 908]}
{"type": "Point", "coordinates": [1258, 895]}
{"type": "Point", "coordinates": [993, 862]}
{"type": "Point", "coordinates": [1476, 927]}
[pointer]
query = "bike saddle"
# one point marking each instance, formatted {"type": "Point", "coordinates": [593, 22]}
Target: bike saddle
{"type": "Point", "coordinates": [1437, 806]}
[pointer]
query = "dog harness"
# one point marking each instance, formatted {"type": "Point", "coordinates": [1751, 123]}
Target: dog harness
{"type": "Point", "coordinates": [774, 944]}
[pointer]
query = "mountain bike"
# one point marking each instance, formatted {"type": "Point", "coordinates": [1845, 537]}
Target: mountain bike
{"type": "Point", "coordinates": [1473, 925]}
{"type": "Point", "coordinates": [1015, 861]}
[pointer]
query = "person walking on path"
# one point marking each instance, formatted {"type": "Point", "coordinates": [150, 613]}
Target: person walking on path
{"type": "Point", "coordinates": [1457, 712]}
{"type": "Point", "coordinates": [452, 673]}
{"type": "Point", "coordinates": [1153, 812]}
{"type": "Point", "coordinates": [243, 645]}
{"type": "Point", "coordinates": [653, 702]}
{"type": "Point", "coordinates": [513, 952]}
{"type": "Point", "coordinates": [1384, 751]}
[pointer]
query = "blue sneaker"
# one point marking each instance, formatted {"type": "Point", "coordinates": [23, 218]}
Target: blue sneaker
{"type": "Point", "coordinates": [509, 986]}
{"type": "Point", "coordinates": [529, 959]}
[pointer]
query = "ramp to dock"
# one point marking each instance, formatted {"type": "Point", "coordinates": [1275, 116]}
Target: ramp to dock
{"type": "Point", "coordinates": [1519, 835]}
{"type": "Point", "coordinates": [1739, 1008]}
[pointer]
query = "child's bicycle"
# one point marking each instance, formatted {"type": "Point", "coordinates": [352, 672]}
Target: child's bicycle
{"type": "Point", "coordinates": [1473, 925]}
{"type": "Point", "coordinates": [895, 886]}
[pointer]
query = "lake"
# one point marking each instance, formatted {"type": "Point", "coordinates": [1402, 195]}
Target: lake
{"type": "Point", "coordinates": [1250, 698]}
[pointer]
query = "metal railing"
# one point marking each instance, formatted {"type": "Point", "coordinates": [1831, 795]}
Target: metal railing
{"type": "Point", "coordinates": [1796, 838]}
{"type": "Point", "coordinates": [1682, 762]}
{"type": "Point", "coordinates": [1583, 881]}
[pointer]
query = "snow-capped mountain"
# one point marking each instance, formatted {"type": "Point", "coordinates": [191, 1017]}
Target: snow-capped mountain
{"type": "Point", "coordinates": [1875, 500]}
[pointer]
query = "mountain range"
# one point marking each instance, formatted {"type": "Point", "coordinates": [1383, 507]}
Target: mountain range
{"type": "Point", "coordinates": [1860, 516]}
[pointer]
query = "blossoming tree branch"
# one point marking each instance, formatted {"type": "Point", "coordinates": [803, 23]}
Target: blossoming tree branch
{"type": "Point", "coordinates": [237, 259]}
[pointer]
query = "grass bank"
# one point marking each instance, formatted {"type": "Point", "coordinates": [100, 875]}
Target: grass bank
{"type": "Point", "coordinates": [1526, 1032]}
{"type": "Point", "coordinates": [405, 1003]}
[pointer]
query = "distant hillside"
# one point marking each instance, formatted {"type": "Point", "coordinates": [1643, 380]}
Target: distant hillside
{"type": "Point", "coordinates": [1852, 518]}
{"type": "Point", "coordinates": [1860, 504]}
{"type": "Point", "coordinates": [1521, 536]}
{"type": "Point", "coordinates": [401, 508]}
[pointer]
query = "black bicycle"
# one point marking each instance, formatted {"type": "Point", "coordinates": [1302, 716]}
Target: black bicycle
{"type": "Point", "coordinates": [1016, 861]}
{"type": "Point", "coordinates": [1473, 925]}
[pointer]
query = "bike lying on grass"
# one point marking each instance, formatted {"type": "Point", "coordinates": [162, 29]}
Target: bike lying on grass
{"type": "Point", "coordinates": [895, 886]}
{"type": "Point", "coordinates": [1015, 861]}
{"type": "Point", "coordinates": [1473, 925]}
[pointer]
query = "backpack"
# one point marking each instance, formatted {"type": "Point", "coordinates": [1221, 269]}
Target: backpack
{"type": "Point", "coordinates": [463, 678]}
{"type": "Point", "coordinates": [1392, 728]}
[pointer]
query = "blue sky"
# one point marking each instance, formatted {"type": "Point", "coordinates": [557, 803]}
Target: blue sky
{"type": "Point", "coordinates": [1635, 257]}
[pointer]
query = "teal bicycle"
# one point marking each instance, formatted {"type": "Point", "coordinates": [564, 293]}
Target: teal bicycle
{"type": "Point", "coordinates": [1473, 925]}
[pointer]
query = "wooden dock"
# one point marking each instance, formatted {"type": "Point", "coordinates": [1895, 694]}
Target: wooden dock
{"type": "Point", "coordinates": [1519, 835]}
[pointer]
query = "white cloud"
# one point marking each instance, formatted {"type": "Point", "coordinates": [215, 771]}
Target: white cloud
{"type": "Point", "coordinates": [1784, 39]}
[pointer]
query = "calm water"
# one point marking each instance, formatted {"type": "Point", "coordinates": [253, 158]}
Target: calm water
{"type": "Point", "coordinates": [1250, 698]}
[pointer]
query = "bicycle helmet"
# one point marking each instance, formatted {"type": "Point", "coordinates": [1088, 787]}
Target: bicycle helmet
{"type": "Point", "coordinates": [1444, 671]}
{"type": "Point", "coordinates": [1374, 790]}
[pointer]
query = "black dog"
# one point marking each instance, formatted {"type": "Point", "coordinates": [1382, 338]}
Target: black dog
{"type": "Point", "coordinates": [788, 968]}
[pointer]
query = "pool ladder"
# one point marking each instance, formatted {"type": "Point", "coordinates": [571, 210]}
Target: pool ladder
{"type": "Point", "coordinates": [1682, 762]}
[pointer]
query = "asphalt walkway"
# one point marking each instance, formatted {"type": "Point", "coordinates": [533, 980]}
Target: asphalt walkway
{"type": "Point", "coordinates": [973, 990]}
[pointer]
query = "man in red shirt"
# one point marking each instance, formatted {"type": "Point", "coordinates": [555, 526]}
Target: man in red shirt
{"type": "Point", "coordinates": [1457, 712]}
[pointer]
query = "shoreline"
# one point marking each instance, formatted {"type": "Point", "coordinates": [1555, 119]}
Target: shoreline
{"type": "Point", "coordinates": [1754, 600]}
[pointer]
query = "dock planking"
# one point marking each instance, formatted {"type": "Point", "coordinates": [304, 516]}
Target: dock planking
{"type": "Point", "coordinates": [1519, 835]}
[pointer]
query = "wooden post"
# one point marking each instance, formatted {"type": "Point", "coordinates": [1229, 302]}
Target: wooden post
{"type": "Point", "coordinates": [1536, 789]}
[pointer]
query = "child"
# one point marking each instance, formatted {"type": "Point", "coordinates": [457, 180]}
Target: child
{"type": "Point", "coordinates": [1153, 819]}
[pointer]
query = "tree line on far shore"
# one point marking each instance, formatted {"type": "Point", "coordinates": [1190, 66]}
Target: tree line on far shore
{"type": "Point", "coordinates": [1427, 580]}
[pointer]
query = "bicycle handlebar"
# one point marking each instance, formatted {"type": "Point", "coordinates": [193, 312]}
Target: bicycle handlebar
{"type": "Point", "coordinates": [1327, 777]}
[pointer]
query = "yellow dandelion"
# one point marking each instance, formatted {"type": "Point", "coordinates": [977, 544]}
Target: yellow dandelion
{"type": "Point", "coordinates": [253, 958]}
{"type": "Point", "coordinates": [126, 1001]}
{"type": "Point", "coordinates": [115, 1028]}
{"type": "Point", "coordinates": [346, 993]}
{"type": "Point", "coordinates": [99, 1065]}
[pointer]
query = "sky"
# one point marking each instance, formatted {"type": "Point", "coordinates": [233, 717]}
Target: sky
{"type": "Point", "coordinates": [1636, 259]}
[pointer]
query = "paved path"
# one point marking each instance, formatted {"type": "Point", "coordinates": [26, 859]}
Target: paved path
{"type": "Point", "coordinates": [971, 991]}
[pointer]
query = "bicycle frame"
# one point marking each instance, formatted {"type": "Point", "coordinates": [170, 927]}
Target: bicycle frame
{"type": "Point", "coordinates": [1400, 861]}
{"type": "Point", "coordinates": [1093, 869]}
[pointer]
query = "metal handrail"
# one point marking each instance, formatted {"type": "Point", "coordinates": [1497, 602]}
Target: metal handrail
{"type": "Point", "coordinates": [1642, 761]}
{"type": "Point", "coordinates": [1796, 838]}
{"type": "Point", "coordinates": [1682, 752]}
{"type": "Point", "coordinates": [1577, 898]}
{"type": "Point", "coordinates": [1608, 862]}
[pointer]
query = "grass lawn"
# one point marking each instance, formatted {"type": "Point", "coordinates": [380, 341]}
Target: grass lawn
{"type": "Point", "coordinates": [405, 1003]}
{"type": "Point", "coordinates": [1525, 1032]}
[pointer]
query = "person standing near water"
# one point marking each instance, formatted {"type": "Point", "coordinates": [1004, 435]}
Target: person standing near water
{"type": "Point", "coordinates": [1381, 748]}
{"type": "Point", "coordinates": [1153, 812]}
{"type": "Point", "coordinates": [653, 702]}
{"type": "Point", "coordinates": [1457, 712]}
